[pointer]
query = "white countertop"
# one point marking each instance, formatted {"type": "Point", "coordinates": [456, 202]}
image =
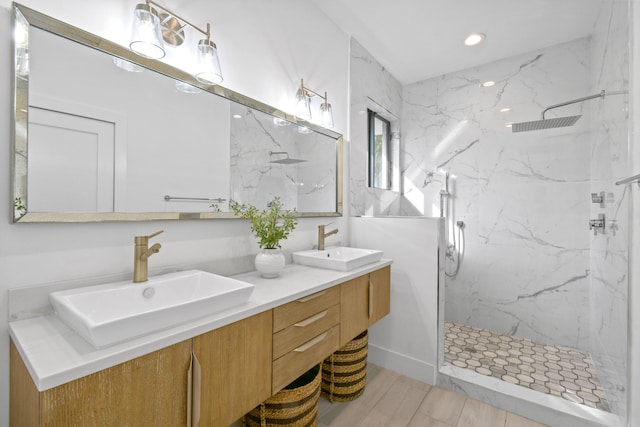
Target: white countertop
{"type": "Point", "coordinates": [55, 355]}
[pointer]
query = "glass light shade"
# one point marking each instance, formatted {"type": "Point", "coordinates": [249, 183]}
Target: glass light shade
{"type": "Point", "coordinates": [208, 71]}
{"type": "Point", "coordinates": [303, 105]}
{"type": "Point", "coordinates": [186, 87]}
{"type": "Point", "coordinates": [280, 122]}
{"type": "Point", "coordinates": [146, 39]}
{"type": "Point", "coordinates": [303, 129]}
{"type": "Point", "coordinates": [126, 65]}
{"type": "Point", "coordinates": [327, 114]}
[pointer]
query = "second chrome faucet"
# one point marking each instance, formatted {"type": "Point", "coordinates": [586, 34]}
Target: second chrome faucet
{"type": "Point", "coordinates": [322, 235]}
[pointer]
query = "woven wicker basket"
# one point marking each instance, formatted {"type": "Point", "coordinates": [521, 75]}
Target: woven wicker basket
{"type": "Point", "coordinates": [344, 373]}
{"type": "Point", "coordinates": [296, 405]}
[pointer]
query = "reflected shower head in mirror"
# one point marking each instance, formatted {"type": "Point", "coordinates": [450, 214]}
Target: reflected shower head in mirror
{"type": "Point", "coordinates": [285, 160]}
{"type": "Point", "coordinates": [557, 122]}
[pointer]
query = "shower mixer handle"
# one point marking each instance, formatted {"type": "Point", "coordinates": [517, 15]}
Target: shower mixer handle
{"type": "Point", "coordinates": [597, 224]}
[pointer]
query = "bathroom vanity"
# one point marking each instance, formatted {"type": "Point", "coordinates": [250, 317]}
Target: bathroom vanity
{"type": "Point", "coordinates": [208, 372]}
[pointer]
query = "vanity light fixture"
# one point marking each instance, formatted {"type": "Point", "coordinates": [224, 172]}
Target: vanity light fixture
{"type": "Point", "coordinates": [474, 39]}
{"type": "Point", "coordinates": [303, 105]}
{"type": "Point", "coordinates": [153, 29]}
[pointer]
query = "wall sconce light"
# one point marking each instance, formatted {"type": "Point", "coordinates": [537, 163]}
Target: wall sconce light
{"type": "Point", "coordinates": [152, 30]}
{"type": "Point", "coordinates": [303, 105]}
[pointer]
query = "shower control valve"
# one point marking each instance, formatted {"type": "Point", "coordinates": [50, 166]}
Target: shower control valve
{"type": "Point", "coordinates": [598, 198]}
{"type": "Point", "coordinates": [597, 224]}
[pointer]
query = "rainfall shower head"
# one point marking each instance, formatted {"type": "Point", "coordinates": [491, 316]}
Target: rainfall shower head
{"type": "Point", "coordinates": [285, 160]}
{"type": "Point", "coordinates": [557, 122]}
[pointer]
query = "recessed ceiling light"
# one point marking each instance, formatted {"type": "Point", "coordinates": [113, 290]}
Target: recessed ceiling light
{"type": "Point", "coordinates": [474, 39]}
{"type": "Point", "coordinates": [237, 116]}
{"type": "Point", "coordinates": [505, 109]}
{"type": "Point", "coordinates": [488, 83]}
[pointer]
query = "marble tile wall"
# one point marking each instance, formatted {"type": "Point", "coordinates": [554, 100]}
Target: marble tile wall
{"type": "Point", "coordinates": [610, 163]}
{"type": "Point", "coordinates": [371, 84]}
{"type": "Point", "coordinates": [524, 198]}
{"type": "Point", "coordinates": [308, 186]}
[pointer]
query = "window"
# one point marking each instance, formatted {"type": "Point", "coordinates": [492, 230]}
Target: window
{"type": "Point", "coordinates": [379, 151]}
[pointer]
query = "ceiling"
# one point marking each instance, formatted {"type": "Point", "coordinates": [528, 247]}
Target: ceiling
{"type": "Point", "coordinates": [419, 39]}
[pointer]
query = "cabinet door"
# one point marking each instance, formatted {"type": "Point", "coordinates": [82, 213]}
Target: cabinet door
{"type": "Point", "coordinates": [235, 363]}
{"type": "Point", "coordinates": [354, 308]}
{"type": "Point", "coordinates": [379, 294]}
{"type": "Point", "coordinates": [148, 390]}
{"type": "Point", "coordinates": [365, 300]}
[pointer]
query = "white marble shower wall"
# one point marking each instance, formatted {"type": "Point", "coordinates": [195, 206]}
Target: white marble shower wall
{"type": "Point", "coordinates": [610, 163]}
{"type": "Point", "coordinates": [524, 197]}
{"type": "Point", "coordinates": [371, 86]}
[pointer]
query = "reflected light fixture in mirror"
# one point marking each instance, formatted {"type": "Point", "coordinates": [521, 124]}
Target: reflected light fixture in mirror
{"type": "Point", "coordinates": [151, 31]}
{"type": "Point", "coordinates": [303, 105]}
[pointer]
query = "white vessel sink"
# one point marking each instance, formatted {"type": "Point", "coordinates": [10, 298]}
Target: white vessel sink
{"type": "Point", "coordinates": [111, 313]}
{"type": "Point", "coordinates": [337, 258]}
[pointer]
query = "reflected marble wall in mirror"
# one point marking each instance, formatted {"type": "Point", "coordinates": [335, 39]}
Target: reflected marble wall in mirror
{"type": "Point", "coordinates": [95, 142]}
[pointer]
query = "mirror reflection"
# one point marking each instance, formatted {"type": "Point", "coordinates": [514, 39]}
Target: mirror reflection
{"type": "Point", "coordinates": [100, 137]}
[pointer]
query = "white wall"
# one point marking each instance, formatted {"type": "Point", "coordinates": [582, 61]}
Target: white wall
{"type": "Point", "coordinates": [265, 48]}
{"type": "Point", "coordinates": [406, 340]}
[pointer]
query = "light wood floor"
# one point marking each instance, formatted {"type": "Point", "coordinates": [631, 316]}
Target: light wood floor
{"type": "Point", "coordinates": [394, 400]}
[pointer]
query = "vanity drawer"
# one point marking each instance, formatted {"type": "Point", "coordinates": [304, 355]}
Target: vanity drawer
{"type": "Point", "coordinates": [295, 311]}
{"type": "Point", "coordinates": [304, 330]}
{"type": "Point", "coordinates": [297, 361]}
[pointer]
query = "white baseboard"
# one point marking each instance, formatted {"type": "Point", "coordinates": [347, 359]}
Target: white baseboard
{"type": "Point", "coordinates": [403, 364]}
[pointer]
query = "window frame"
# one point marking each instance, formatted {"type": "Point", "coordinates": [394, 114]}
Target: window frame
{"type": "Point", "coordinates": [372, 117]}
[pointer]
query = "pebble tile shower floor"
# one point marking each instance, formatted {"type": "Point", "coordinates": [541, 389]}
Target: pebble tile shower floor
{"type": "Point", "coordinates": [555, 370]}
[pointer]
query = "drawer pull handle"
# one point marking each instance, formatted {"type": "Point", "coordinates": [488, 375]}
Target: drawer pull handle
{"type": "Point", "coordinates": [311, 319]}
{"type": "Point", "coordinates": [312, 296]}
{"type": "Point", "coordinates": [311, 343]}
{"type": "Point", "coordinates": [370, 298]}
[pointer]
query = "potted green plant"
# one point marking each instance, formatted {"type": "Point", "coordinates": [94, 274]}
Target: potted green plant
{"type": "Point", "coordinates": [270, 226]}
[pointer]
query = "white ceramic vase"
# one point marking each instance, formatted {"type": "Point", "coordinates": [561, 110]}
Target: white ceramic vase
{"type": "Point", "coordinates": [270, 262]}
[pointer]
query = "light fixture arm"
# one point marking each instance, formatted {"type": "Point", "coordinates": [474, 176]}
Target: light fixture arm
{"type": "Point", "coordinates": [310, 92]}
{"type": "Point", "coordinates": [206, 33]}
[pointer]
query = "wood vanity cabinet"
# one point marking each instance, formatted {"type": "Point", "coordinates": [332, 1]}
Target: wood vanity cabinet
{"type": "Point", "coordinates": [235, 363]}
{"type": "Point", "coordinates": [150, 390]}
{"type": "Point", "coordinates": [364, 301]}
{"type": "Point", "coordinates": [305, 331]}
{"type": "Point", "coordinates": [241, 365]}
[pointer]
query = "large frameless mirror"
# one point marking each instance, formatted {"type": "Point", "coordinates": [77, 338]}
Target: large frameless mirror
{"type": "Point", "coordinates": [102, 134]}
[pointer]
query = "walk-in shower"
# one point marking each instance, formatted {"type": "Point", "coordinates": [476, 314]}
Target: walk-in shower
{"type": "Point", "coordinates": [537, 311]}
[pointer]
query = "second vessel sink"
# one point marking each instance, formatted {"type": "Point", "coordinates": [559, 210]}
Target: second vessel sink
{"type": "Point", "coordinates": [108, 314]}
{"type": "Point", "coordinates": [337, 258]}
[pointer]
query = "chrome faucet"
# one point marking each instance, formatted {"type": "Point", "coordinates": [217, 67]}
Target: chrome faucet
{"type": "Point", "coordinates": [141, 254]}
{"type": "Point", "coordinates": [322, 235]}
